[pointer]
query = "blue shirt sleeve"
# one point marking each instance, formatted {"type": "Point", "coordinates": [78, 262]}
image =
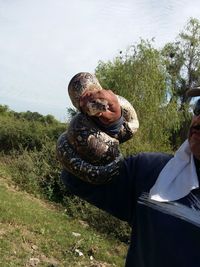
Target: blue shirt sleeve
{"type": "Point", "coordinates": [119, 197]}
{"type": "Point", "coordinates": [115, 197]}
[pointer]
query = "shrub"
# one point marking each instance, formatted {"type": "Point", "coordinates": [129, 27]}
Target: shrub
{"type": "Point", "coordinates": [18, 134]}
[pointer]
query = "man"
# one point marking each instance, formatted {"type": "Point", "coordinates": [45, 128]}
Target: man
{"type": "Point", "coordinates": [156, 193]}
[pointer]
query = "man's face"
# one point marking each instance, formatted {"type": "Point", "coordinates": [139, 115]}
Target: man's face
{"type": "Point", "coordinates": [194, 132]}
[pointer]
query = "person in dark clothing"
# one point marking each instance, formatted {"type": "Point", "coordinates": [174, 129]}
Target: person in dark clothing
{"type": "Point", "coordinates": [156, 193]}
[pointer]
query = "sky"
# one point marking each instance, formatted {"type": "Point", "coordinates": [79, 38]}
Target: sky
{"type": "Point", "coordinates": [43, 44]}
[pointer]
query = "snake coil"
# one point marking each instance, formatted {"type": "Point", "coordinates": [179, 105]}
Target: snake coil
{"type": "Point", "coordinates": [85, 149]}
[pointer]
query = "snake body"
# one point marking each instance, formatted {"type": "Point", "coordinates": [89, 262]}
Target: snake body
{"type": "Point", "coordinates": [85, 149]}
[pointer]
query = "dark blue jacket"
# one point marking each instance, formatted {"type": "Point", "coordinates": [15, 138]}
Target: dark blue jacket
{"type": "Point", "coordinates": [158, 239]}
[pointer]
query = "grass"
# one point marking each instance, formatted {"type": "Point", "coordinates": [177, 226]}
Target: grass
{"type": "Point", "coordinates": [36, 233]}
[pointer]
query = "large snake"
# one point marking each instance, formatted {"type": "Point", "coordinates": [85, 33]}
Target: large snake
{"type": "Point", "coordinates": [85, 149]}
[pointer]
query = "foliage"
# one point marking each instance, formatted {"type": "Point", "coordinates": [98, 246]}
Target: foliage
{"type": "Point", "coordinates": [21, 131]}
{"type": "Point", "coordinates": [182, 61]}
{"type": "Point", "coordinates": [71, 112]}
{"type": "Point", "coordinates": [38, 173]}
{"type": "Point", "coordinates": [140, 76]}
{"type": "Point", "coordinates": [154, 81]}
{"type": "Point", "coordinates": [4, 110]}
{"type": "Point", "coordinates": [35, 116]}
{"type": "Point", "coordinates": [27, 146]}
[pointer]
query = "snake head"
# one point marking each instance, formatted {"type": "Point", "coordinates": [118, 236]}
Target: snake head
{"type": "Point", "coordinates": [97, 106]}
{"type": "Point", "coordinates": [79, 84]}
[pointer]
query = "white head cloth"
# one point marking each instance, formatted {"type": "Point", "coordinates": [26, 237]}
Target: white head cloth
{"type": "Point", "coordinates": [177, 178]}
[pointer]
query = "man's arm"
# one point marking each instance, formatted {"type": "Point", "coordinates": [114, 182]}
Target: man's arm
{"type": "Point", "coordinates": [119, 197]}
{"type": "Point", "coordinates": [115, 197]}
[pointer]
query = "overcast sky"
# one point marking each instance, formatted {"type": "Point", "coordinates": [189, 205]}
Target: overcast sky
{"type": "Point", "coordinates": [44, 43]}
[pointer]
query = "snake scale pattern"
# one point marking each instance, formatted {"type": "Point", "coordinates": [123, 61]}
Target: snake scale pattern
{"type": "Point", "coordinates": [85, 149]}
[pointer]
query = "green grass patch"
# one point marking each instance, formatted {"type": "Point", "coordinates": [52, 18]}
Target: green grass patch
{"type": "Point", "coordinates": [36, 233]}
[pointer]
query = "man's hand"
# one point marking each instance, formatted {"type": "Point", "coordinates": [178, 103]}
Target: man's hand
{"type": "Point", "coordinates": [112, 113]}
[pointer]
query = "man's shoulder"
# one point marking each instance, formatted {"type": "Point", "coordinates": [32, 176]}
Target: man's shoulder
{"type": "Point", "coordinates": [155, 157]}
{"type": "Point", "coordinates": [146, 166]}
{"type": "Point", "coordinates": [150, 158]}
{"type": "Point", "coordinates": [153, 162]}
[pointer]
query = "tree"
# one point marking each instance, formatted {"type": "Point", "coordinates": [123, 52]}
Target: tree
{"type": "Point", "coordinates": [71, 112]}
{"type": "Point", "coordinates": [4, 109]}
{"type": "Point", "coordinates": [140, 75]}
{"type": "Point", "coordinates": [182, 59]}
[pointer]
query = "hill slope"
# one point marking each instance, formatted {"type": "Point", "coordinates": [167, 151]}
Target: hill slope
{"type": "Point", "coordinates": [36, 233]}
